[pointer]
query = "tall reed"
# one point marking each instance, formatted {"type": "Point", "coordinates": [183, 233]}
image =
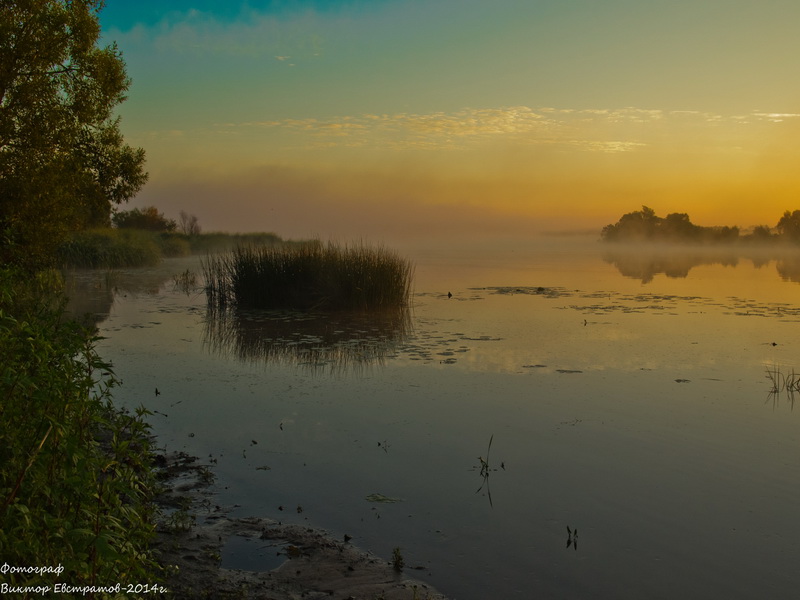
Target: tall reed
{"type": "Point", "coordinates": [314, 275]}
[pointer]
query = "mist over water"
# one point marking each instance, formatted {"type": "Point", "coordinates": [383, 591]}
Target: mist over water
{"type": "Point", "coordinates": [625, 392]}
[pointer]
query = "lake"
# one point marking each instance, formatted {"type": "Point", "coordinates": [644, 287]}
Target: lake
{"type": "Point", "coordinates": [640, 398]}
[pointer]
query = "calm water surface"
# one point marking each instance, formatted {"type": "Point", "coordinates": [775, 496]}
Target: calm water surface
{"type": "Point", "coordinates": [625, 396]}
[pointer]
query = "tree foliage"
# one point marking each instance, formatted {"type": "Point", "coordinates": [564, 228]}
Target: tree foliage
{"type": "Point", "coordinates": [63, 160]}
{"type": "Point", "coordinates": [637, 225]}
{"type": "Point", "coordinates": [789, 225]}
{"type": "Point", "coordinates": [645, 225]}
{"type": "Point", "coordinates": [147, 218]}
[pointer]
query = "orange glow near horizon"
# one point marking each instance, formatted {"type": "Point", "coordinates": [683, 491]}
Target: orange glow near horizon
{"type": "Point", "coordinates": [737, 173]}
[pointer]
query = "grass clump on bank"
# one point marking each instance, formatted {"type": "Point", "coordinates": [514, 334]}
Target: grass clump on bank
{"type": "Point", "coordinates": [307, 276]}
{"type": "Point", "coordinates": [75, 476]}
{"type": "Point", "coordinates": [115, 248]}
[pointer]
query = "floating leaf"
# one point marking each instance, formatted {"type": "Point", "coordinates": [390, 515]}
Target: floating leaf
{"type": "Point", "coordinates": [381, 498]}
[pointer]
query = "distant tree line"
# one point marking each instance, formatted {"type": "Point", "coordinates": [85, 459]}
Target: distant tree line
{"type": "Point", "coordinates": [150, 219]}
{"type": "Point", "coordinates": [645, 226]}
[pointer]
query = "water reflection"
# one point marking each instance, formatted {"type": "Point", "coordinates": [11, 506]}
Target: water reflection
{"type": "Point", "coordinates": [621, 452]}
{"type": "Point", "coordinates": [91, 292]}
{"type": "Point", "coordinates": [90, 295]}
{"type": "Point", "coordinates": [331, 342]}
{"type": "Point", "coordinates": [789, 268]}
{"type": "Point", "coordinates": [645, 262]}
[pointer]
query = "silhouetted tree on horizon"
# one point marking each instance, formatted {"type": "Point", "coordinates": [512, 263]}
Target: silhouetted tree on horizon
{"type": "Point", "coordinates": [639, 225]}
{"type": "Point", "coordinates": [789, 226]}
{"type": "Point", "coordinates": [645, 226]}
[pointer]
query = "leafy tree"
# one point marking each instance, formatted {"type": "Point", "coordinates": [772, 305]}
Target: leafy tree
{"type": "Point", "coordinates": [63, 161]}
{"type": "Point", "coordinates": [638, 225]}
{"type": "Point", "coordinates": [789, 225]}
{"type": "Point", "coordinates": [720, 235]}
{"type": "Point", "coordinates": [761, 233]}
{"type": "Point", "coordinates": [146, 218]}
{"type": "Point", "coordinates": [678, 226]}
{"type": "Point", "coordinates": [644, 225]}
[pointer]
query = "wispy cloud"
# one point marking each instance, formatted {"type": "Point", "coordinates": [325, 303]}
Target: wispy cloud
{"type": "Point", "coordinates": [775, 117]}
{"type": "Point", "coordinates": [591, 130]}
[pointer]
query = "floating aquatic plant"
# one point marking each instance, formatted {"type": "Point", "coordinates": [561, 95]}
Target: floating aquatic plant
{"type": "Point", "coordinates": [572, 538]}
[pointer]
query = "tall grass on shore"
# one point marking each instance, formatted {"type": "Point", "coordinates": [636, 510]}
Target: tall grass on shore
{"type": "Point", "coordinates": [314, 275]}
{"type": "Point", "coordinates": [113, 248]}
{"type": "Point", "coordinates": [117, 248]}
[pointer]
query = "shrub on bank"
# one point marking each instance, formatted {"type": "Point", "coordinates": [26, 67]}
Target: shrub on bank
{"type": "Point", "coordinates": [173, 244]}
{"type": "Point", "coordinates": [75, 477]}
{"type": "Point", "coordinates": [308, 276]}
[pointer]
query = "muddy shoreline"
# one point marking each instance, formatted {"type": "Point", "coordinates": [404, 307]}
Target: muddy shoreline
{"type": "Point", "coordinates": [193, 531]}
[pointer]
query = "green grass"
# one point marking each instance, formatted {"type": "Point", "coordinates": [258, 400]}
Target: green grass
{"type": "Point", "coordinates": [75, 476]}
{"type": "Point", "coordinates": [308, 276]}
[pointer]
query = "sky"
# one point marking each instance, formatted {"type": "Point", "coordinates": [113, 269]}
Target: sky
{"type": "Point", "coordinates": [386, 119]}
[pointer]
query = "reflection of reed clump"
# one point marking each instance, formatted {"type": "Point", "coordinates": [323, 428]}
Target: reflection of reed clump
{"type": "Point", "coordinates": [309, 276]}
{"type": "Point", "coordinates": [334, 341]}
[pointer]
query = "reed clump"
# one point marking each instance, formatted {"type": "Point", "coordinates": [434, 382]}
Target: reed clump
{"type": "Point", "coordinates": [313, 275]}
